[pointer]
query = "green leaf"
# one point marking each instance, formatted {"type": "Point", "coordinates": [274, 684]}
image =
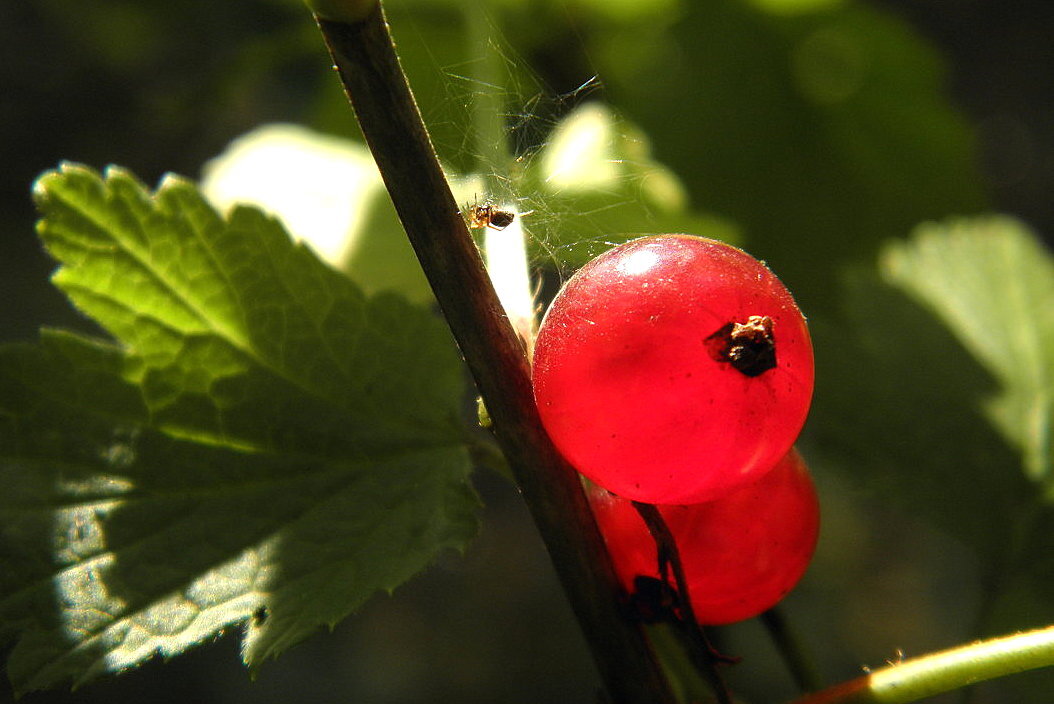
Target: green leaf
{"type": "Point", "coordinates": [898, 409]}
{"type": "Point", "coordinates": [991, 282]}
{"type": "Point", "coordinates": [918, 383]}
{"type": "Point", "coordinates": [264, 443]}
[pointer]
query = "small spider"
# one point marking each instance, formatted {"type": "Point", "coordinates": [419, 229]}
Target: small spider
{"type": "Point", "coordinates": [488, 214]}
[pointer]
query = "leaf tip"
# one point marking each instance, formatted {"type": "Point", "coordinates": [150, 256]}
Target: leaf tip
{"type": "Point", "coordinates": [45, 185]}
{"type": "Point", "coordinates": [45, 182]}
{"type": "Point", "coordinates": [173, 181]}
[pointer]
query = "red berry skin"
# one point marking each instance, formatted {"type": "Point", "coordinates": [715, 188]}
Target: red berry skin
{"type": "Point", "coordinates": [629, 388]}
{"type": "Point", "coordinates": [741, 553]}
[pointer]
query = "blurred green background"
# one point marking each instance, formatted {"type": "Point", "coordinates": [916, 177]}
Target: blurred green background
{"type": "Point", "coordinates": [818, 129]}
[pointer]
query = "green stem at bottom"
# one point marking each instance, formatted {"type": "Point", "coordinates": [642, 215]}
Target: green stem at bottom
{"type": "Point", "coordinates": [926, 676]}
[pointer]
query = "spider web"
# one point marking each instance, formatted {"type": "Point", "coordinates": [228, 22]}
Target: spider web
{"type": "Point", "coordinates": [564, 160]}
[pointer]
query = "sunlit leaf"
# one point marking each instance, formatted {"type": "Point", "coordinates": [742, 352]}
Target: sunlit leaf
{"type": "Point", "coordinates": [263, 443]}
{"type": "Point", "coordinates": [933, 387]}
{"type": "Point", "coordinates": [991, 282]}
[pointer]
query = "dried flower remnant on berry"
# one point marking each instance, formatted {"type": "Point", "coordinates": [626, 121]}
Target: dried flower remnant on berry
{"type": "Point", "coordinates": [749, 347]}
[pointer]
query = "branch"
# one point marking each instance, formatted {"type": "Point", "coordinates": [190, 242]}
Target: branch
{"type": "Point", "coordinates": [926, 676]}
{"type": "Point", "coordinates": [369, 69]}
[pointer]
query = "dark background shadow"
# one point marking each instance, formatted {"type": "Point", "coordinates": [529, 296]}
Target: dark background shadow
{"type": "Point", "coordinates": [116, 85]}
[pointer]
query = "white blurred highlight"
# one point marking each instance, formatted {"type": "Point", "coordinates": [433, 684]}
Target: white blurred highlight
{"type": "Point", "coordinates": [506, 254]}
{"type": "Point", "coordinates": [313, 183]}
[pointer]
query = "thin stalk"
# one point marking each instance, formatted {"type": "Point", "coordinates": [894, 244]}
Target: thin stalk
{"type": "Point", "coordinates": [365, 57]}
{"type": "Point", "coordinates": [790, 648]}
{"type": "Point", "coordinates": [488, 105]}
{"type": "Point", "coordinates": [680, 666]}
{"type": "Point", "coordinates": [703, 653]}
{"type": "Point", "coordinates": [929, 675]}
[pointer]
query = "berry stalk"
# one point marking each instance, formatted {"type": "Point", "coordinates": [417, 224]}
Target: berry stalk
{"type": "Point", "coordinates": [802, 670]}
{"type": "Point", "coordinates": [670, 560]}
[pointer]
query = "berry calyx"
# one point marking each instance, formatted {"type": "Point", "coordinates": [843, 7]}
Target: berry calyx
{"type": "Point", "coordinates": [741, 553]}
{"type": "Point", "coordinates": [672, 369]}
{"type": "Point", "coordinates": [749, 347]}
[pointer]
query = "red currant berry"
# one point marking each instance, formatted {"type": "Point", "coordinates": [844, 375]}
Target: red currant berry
{"type": "Point", "coordinates": [741, 553]}
{"type": "Point", "coordinates": [672, 369]}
